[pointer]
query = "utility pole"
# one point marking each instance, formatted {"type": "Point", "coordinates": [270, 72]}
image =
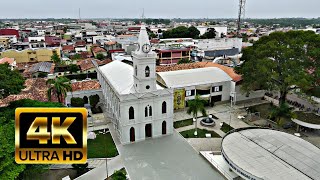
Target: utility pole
{"type": "Point", "coordinates": [242, 4]}
{"type": "Point", "coordinates": [79, 14]}
{"type": "Point", "coordinates": [232, 102]}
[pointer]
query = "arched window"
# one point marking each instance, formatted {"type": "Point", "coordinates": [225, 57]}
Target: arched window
{"type": "Point", "coordinates": [147, 71]}
{"type": "Point", "coordinates": [136, 70]}
{"type": "Point", "coordinates": [150, 111]}
{"type": "Point", "coordinates": [131, 113]}
{"type": "Point", "coordinates": [164, 107]}
{"type": "Point", "coordinates": [164, 127]}
{"type": "Point", "coordinates": [132, 134]}
{"type": "Point", "coordinates": [146, 112]}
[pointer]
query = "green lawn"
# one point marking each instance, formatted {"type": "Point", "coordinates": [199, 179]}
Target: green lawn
{"type": "Point", "coordinates": [308, 117]}
{"type": "Point", "coordinates": [201, 133]}
{"type": "Point", "coordinates": [113, 176]}
{"type": "Point", "coordinates": [183, 123]}
{"type": "Point", "coordinates": [102, 147]}
{"type": "Point", "coordinates": [226, 128]}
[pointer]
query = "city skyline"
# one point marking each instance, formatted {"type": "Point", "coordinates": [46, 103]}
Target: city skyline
{"type": "Point", "coordinates": [34, 9]}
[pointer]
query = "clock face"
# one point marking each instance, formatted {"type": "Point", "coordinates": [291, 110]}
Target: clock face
{"type": "Point", "coordinates": [146, 48]}
{"type": "Point", "coordinates": [138, 47]}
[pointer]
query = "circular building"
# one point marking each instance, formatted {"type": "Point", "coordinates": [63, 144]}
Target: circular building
{"type": "Point", "coordinates": [258, 153]}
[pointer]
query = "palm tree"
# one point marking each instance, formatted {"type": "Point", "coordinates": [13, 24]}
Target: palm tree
{"type": "Point", "coordinates": [196, 105]}
{"type": "Point", "coordinates": [284, 111]}
{"type": "Point", "coordinates": [58, 86]}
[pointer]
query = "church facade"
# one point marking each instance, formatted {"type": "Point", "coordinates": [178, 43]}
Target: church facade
{"type": "Point", "coordinates": [137, 106]}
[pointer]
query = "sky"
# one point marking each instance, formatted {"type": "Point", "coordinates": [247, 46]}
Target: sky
{"type": "Point", "coordinates": [157, 9]}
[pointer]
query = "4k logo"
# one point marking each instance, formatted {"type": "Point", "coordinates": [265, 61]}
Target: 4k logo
{"type": "Point", "coordinates": [51, 135]}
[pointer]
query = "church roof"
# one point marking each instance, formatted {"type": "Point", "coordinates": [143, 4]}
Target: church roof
{"type": "Point", "coordinates": [192, 77]}
{"type": "Point", "coordinates": [120, 77]}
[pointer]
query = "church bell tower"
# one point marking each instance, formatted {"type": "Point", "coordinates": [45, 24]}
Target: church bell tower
{"type": "Point", "coordinates": [144, 64]}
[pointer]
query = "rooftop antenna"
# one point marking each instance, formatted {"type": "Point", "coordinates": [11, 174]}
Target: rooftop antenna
{"type": "Point", "coordinates": [79, 14]}
{"type": "Point", "coordinates": [143, 17]}
{"type": "Point", "coordinates": [242, 6]}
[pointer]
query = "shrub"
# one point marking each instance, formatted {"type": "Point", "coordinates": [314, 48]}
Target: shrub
{"type": "Point", "coordinates": [77, 102]}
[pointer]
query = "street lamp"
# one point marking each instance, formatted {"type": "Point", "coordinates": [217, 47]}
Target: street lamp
{"type": "Point", "coordinates": [232, 101]}
{"type": "Point", "coordinates": [195, 132]}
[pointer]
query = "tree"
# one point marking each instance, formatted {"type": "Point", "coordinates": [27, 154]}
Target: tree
{"type": "Point", "coordinates": [211, 33]}
{"type": "Point", "coordinates": [73, 68]}
{"type": "Point", "coordinates": [77, 102]}
{"type": "Point", "coordinates": [182, 32]}
{"type": "Point", "coordinates": [59, 86]}
{"type": "Point", "coordinates": [100, 56]}
{"type": "Point", "coordinates": [283, 111]}
{"type": "Point", "coordinates": [8, 168]}
{"type": "Point", "coordinates": [76, 57]}
{"type": "Point", "coordinates": [193, 32]}
{"type": "Point", "coordinates": [282, 62]}
{"type": "Point", "coordinates": [55, 58]}
{"type": "Point", "coordinates": [196, 105]}
{"type": "Point", "coordinates": [10, 81]}
{"type": "Point", "coordinates": [80, 168]}
{"type": "Point", "coordinates": [184, 61]}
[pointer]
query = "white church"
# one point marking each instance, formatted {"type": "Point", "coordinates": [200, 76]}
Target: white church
{"type": "Point", "coordinates": [138, 107]}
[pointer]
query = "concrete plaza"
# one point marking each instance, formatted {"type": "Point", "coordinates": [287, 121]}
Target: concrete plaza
{"type": "Point", "coordinates": [169, 157]}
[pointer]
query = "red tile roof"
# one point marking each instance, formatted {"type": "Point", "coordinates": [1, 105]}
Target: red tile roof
{"type": "Point", "coordinates": [6, 60]}
{"type": "Point", "coordinates": [36, 89]}
{"type": "Point", "coordinates": [87, 63]}
{"type": "Point", "coordinates": [98, 50]}
{"type": "Point", "coordinates": [85, 85]}
{"type": "Point", "coordinates": [80, 43]}
{"type": "Point", "coordinates": [68, 48]}
{"type": "Point", "coordinates": [230, 71]}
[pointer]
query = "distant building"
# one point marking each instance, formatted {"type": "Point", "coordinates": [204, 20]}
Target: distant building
{"type": "Point", "coordinates": [31, 55]}
{"type": "Point", "coordinates": [12, 63]}
{"type": "Point", "coordinates": [4, 42]}
{"type": "Point", "coordinates": [52, 41]}
{"type": "Point", "coordinates": [37, 42]}
{"type": "Point", "coordinates": [11, 32]}
{"type": "Point", "coordinates": [98, 50]}
{"type": "Point", "coordinates": [172, 55]}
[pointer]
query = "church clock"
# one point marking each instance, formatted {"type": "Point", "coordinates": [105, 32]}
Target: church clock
{"type": "Point", "coordinates": [146, 48]}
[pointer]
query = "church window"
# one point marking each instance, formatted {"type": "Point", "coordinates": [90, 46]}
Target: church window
{"type": "Point", "coordinates": [146, 112]}
{"type": "Point", "coordinates": [131, 113]}
{"type": "Point", "coordinates": [147, 71]}
{"type": "Point", "coordinates": [150, 111]}
{"type": "Point", "coordinates": [164, 107]}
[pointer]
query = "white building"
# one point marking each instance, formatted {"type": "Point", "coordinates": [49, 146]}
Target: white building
{"type": "Point", "coordinates": [219, 43]}
{"type": "Point", "coordinates": [138, 107]}
{"type": "Point", "coordinates": [211, 83]}
{"type": "Point", "coordinates": [36, 42]}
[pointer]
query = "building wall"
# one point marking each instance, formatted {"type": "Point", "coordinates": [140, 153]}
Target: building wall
{"type": "Point", "coordinates": [4, 42]}
{"type": "Point", "coordinates": [139, 122]}
{"type": "Point", "coordinates": [29, 55]}
{"type": "Point", "coordinates": [221, 43]}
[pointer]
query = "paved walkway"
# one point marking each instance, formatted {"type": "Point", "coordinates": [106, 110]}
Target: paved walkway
{"type": "Point", "coordinates": [100, 173]}
{"type": "Point", "coordinates": [93, 163]}
{"type": "Point", "coordinates": [168, 157]}
{"type": "Point", "coordinates": [222, 112]}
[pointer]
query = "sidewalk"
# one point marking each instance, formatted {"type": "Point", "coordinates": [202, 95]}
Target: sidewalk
{"type": "Point", "coordinates": [100, 173]}
{"type": "Point", "coordinates": [93, 163]}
